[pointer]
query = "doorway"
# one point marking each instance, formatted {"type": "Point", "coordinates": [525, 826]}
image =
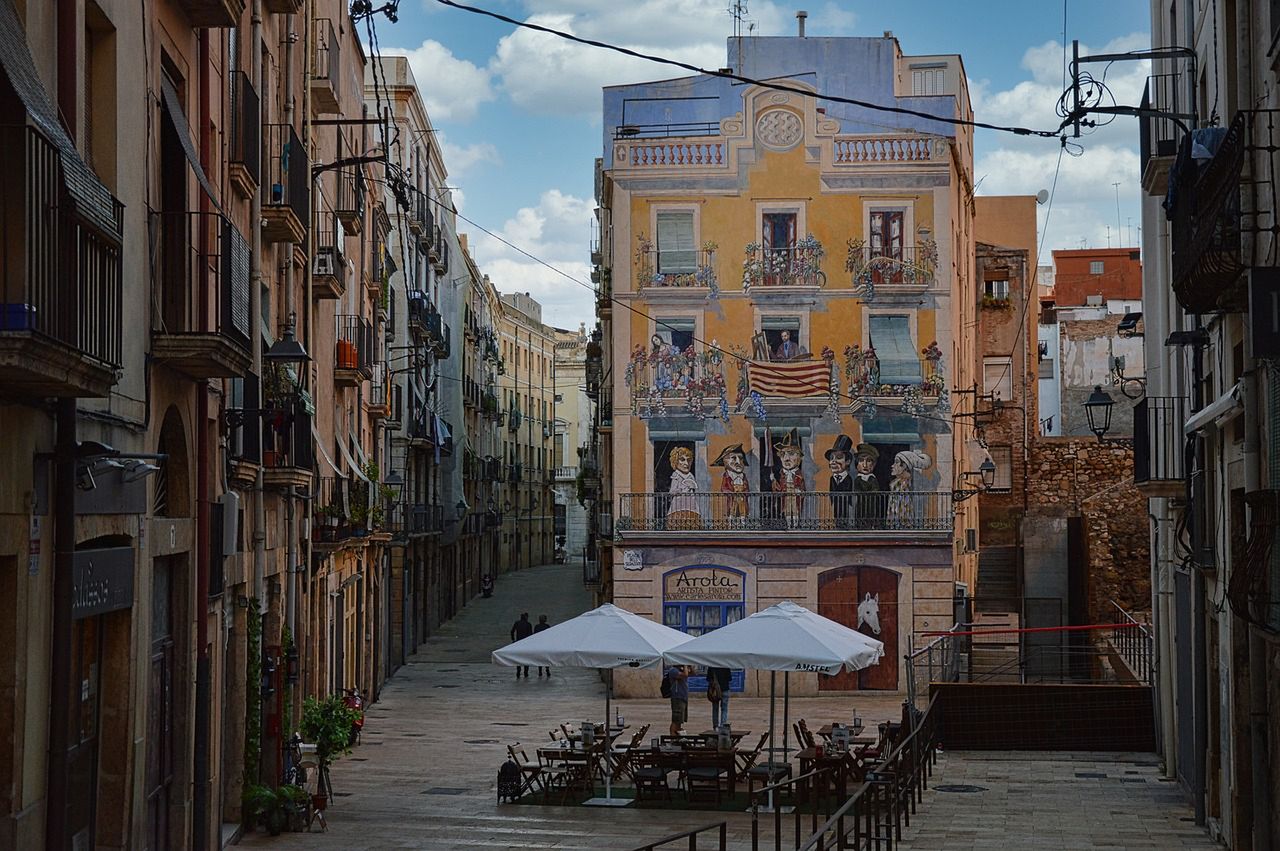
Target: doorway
{"type": "Point", "coordinates": [160, 705]}
{"type": "Point", "coordinates": [864, 599]}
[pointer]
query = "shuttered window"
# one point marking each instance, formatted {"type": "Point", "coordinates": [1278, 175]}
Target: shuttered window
{"type": "Point", "coordinates": [676, 252]}
{"type": "Point", "coordinates": [896, 351]}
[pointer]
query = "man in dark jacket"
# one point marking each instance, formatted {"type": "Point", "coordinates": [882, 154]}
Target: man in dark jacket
{"type": "Point", "coordinates": [839, 459]}
{"type": "Point", "coordinates": [542, 624]}
{"type": "Point", "coordinates": [719, 708]}
{"type": "Point", "coordinates": [522, 629]}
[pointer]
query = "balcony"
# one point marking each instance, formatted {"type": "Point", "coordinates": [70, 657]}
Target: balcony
{"type": "Point", "coordinates": [439, 252]}
{"type": "Point", "coordinates": [603, 280]}
{"type": "Point", "coordinates": [328, 262]}
{"type": "Point", "coordinates": [890, 150]}
{"type": "Point", "coordinates": [425, 215]}
{"type": "Point", "coordinates": [1158, 136]}
{"type": "Point", "coordinates": [605, 408]}
{"type": "Point", "coordinates": [209, 14]}
{"type": "Point", "coordinates": [352, 351]}
{"type": "Point", "coordinates": [379, 404]}
{"type": "Point", "coordinates": [796, 266]}
{"type": "Point", "coordinates": [60, 277]}
{"type": "Point", "coordinates": [514, 418]}
{"type": "Point", "coordinates": [332, 516]}
{"type": "Point", "coordinates": [288, 454]}
{"type": "Point", "coordinates": [1159, 447]}
{"type": "Point", "coordinates": [666, 379]}
{"type": "Point", "coordinates": [352, 194]}
{"type": "Point", "coordinates": [244, 161]}
{"type": "Point", "coordinates": [420, 311]}
{"type": "Point", "coordinates": [203, 285]}
{"type": "Point", "coordinates": [284, 210]}
{"type": "Point", "coordinates": [1222, 210]}
{"type": "Point", "coordinates": [565, 474]}
{"type": "Point", "coordinates": [420, 430]}
{"type": "Point", "coordinates": [899, 270]}
{"type": "Point", "coordinates": [425, 520]}
{"type": "Point", "coordinates": [693, 272]}
{"type": "Point", "coordinates": [326, 70]}
{"type": "Point", "coordinates": [876, 515]}
{"type": "Point", "coordinates": [417, 210]}
{"type": "Point", "coordinates": [905, 382]}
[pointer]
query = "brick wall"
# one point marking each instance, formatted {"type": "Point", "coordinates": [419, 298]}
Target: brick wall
{"type": "Point", "coordinates": [1080, 476]}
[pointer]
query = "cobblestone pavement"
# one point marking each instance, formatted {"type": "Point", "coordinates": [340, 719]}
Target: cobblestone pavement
{"type": "Point", "coordinates": [424, 775]}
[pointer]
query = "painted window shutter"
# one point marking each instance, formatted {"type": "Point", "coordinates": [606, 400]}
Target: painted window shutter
{"type": "Point", "coordinates": [676, 252]}
{"type": "Point", "coordinates": [891, 337]}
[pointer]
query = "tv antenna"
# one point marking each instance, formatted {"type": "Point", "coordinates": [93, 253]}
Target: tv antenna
{"type": "Point", "coordinates": [738, 11]}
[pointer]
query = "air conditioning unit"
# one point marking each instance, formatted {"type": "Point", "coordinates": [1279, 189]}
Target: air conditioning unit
{"type": "Point", "coordinates": [324, 262]}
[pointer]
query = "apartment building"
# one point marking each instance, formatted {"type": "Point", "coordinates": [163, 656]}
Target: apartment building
{"type": "Point", "coordinates": [574, 417]}
{"type": "Point", "coordinates": [778, 421]}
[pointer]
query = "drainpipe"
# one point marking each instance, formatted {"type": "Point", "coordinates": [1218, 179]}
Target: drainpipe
{"type": "Point", "coordinates": [64, 543]}
{"type": "Point", "coordinates": [1199, 642]}
{"type": "Point", "coordinates": [200, 760]}
{"type": "Point", "coordinates": [255, 309]}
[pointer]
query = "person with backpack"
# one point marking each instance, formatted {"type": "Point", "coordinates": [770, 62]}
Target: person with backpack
{"type": "Point", "coordinates": [718, 694]}
{"type": "Point", "coordinates": [542, 624]}
{"type": "Point", "coordinates": [675, 686]}
{"type": "Point", "coordinates": [522, 629]}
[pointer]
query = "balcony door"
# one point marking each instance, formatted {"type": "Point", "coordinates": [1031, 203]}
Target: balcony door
{"type": "Point", "coordinates": [865, 599]}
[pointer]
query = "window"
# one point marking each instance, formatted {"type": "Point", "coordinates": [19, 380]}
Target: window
{"type": "Point", "coordinates": [997, 289]}
{"type": "Point", "coordinates": [884, 236]}
{"type": "Point", "coordinates": [1002, 457]}
{"type": "Point", "coordinates": [1097, 267]}
{"type": "Point", "coordinates": [676, 252]}
{"type": "Point", "coordinates": [781, 339]}
{"type": "Point", "coordinates": [926, 80]}
{"type": "Point", "coordinates": [970, 540]}
{"type": "Point", "coordinates": [890, 336]}
{"type": "Point", "coordinates": [778, 231]}
{"type": "Point", "coordinates": [675, 333]}
{"type": "Point", "coordinates": [997, 377]}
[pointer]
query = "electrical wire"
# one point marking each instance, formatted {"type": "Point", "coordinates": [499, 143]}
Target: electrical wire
{"type": "Point", "coordinates": [729, 75]}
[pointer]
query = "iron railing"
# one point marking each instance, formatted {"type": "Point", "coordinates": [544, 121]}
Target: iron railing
{"type": "Point", "coordinates": [662, 131]}
{"type": "Point", "coordinates": [1157, 135]}
{"type": "Point", "coordinates": [288, 170]}
{"type": "Point", "coordinates": [797, 265]}
{"type": "Point", "coordinates": [669, 268]}
{"type": "Point", "coordinates": [246, 126]}
{"type": "Point", "coordinates": [60, 278]}
{"type": "Point", "coordinates": [351, 195]}
{"type": "Point", "coordinates": [1132, 640]}
{"type": "Point", "coordinates": [202, 252]}
{"type": "Point", "coordinates": [807, 511]}
{"type": "Point", "coordinates": [286, 439]}
{"type": "Point", "coordinates": [326, 60]}
{"type": "Point", "coordinates": [816, 789]}
{"type": "Point", "coordinates": [425, 519]}
{"type": "Point", "coordinates": [891, 266]}
{"type": "Point", "coordinates": [332, 515]}
{"type": "Point", "coordinates": [690, 837]}
{"type": "Point", "coordinates": [940, 660]}
{"type": "Point", "coordinates": [353, 348]}
{"type": "Point", "coordinates": [1159, 446]}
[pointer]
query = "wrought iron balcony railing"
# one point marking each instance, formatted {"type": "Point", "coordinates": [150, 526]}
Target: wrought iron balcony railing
{"type": "Point", "coordinates": [353, 348]}
{"type": "Point", "coordinates": [326, 68]}
{"type": "Point", "coordinates": [880, 512]}
{"type": "Point", "coordinates": [798, 265]}
{"type": "Point", "coordinates": [246, 133]}
{"type": "Point", "coordinates": [1159, 446]}
{"type": "Point", "coordinates": [288, 178]}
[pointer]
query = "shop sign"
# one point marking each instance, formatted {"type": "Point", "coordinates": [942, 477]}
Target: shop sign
{"type": "Point", "coordinates": [101, 581]}
{"type": "Point", "coordinates": [697, 584]}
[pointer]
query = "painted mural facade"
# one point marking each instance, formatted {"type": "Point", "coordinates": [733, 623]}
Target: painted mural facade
{"type": "Point", "coordinates": [780, 385]}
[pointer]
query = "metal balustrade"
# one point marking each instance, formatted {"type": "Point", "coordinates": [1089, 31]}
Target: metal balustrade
{"type": "Point", "coordinates": [808, 511]}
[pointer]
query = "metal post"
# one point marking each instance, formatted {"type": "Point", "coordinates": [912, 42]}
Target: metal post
{"type": "Point", "coordinates": [64, 542]}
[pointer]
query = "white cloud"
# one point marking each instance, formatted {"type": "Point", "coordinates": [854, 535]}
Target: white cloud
{"type": "Point", "coordinates": [557, 230]}
{"type": "Point", "coordinates": [458, 159]}
{"type": "Point", "coordinates": [452, 88]}
{"type": "Point", "coordinates": [1085, 200]}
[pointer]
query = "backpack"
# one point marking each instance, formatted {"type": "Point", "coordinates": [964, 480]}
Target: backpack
{"type": "Point", "coordinates": [508, 781]}
{"type": "Point", "coordinates": [714, 692]}
{"type": "Point", "coordinates": [666, 684]}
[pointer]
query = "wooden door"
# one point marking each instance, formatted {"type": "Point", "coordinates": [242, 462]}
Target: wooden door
{"type": "Point", "coordinates": [841, 592]}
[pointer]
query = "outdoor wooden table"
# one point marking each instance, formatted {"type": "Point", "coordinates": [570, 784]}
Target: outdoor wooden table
{"type": "Point", "coordinates": [825, 732]}
{"type": "Point", "coordinates": [837, 763]}
{"type": "Point", "coordinates": [672, 758]}
{"type": "Point", "coordinates": [736, 736]}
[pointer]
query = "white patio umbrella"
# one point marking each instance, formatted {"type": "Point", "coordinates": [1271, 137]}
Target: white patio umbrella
{"type": "Point", "coordinates": [785, 637]}
{"type": "Point", "coordinates": [607, 637]}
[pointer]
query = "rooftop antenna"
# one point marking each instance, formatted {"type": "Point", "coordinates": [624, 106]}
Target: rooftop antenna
{"type": "Point", "coordinates": [738, 10]}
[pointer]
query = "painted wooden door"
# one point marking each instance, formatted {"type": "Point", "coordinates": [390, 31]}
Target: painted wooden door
{"type": "Point", "coordinates": [863, 598]}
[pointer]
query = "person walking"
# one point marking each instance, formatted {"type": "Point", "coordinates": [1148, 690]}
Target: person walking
{"type": "Point", "coordinates": [542, 624]}
{"type": "Point", "coordinates": [718, 693]}
{"type": "Point", "coordinates": [679, 679]}
{"type": "Point", "coordinates": [522, 629]}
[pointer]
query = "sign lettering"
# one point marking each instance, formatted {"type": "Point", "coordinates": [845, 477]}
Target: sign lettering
{"type": "Point", "coordinates": [695, 584]}
{"type": "Point", "coordinates": [101, 581]}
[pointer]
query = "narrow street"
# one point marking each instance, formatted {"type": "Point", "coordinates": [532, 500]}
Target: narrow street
{"type": "Point", "coordinates": [424, 775]}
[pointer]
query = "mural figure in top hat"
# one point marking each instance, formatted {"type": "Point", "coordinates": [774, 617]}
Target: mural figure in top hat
{"type": "Point", "coordinates": [868, 506]}
{"type": "Point", "coordinates": [733, 482]}
{"type": "Point", "coordinates": [790, 483]}
{"type": "Point", "coordinates": [839, 457]}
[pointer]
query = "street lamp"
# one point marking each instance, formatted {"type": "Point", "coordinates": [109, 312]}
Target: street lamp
{"type": "Point", "coordinates": [986, 475]}
{"type": "Point", "coordinates": [286, 350]}
{"type": "Point", "coordinates": [1098, 410]}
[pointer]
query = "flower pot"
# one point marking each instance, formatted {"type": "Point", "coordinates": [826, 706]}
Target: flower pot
{"type": "Point", "coordinates": [319, 802]}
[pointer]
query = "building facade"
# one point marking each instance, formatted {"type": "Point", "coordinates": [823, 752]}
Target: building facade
{"type": "Point", "coordinates": [780, 417]}
{"type": "Point", "coordinates": [574, 418]}
{"type": "Point", "coordinates": [1206, 432]}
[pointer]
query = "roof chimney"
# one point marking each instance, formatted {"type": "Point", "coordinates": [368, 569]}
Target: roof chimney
{"type": "Point", "coordinates": [800, 16]}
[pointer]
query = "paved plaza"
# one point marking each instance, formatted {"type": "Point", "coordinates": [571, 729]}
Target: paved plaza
{"type": "Point", "coordinates": [425, 774]}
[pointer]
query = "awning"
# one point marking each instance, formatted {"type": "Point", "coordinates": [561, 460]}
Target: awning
{"type": "Point", "coordinates": [173, 109]}
{"type": "Point", "coordinates": [320, 445]}
{"type": "Point", "coordinates": [93, 201]}
{"type": "Point", "coordinates": [351, 462]}
{"type": "Point", "coordinates": [1217, 411]}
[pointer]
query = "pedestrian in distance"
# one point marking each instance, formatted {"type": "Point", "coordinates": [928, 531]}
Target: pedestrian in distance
{"type": "Point", "coordinates": [678, 687]}
{"type": "Point", "coordinates": [522, 629]}
{"type": "Point", "coordinates": [718, 694]}
{"type": "Point", "coordinates": [542, 624]}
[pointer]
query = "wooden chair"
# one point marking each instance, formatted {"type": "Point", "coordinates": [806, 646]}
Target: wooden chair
{"type": "Point", "coordinates": [806, 735]}
{"type": "Point", "coordinates": [767, 773]}
{"type": "Point", "coordinates": [620, 755]}
{"type": "Point", "coordinates": [650, 775]}
{"type": "Point", "coordinates": [704, 772]}
{"type": "Point", "coordinates": [747, 758]}
{"type": "Point", "coordinates": [530, 770]}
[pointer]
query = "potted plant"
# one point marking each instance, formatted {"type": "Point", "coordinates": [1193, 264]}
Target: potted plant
{"type": "Point", "coordinates": [273, 806]}
{"type": "Point", "coordinates": [327, 723]}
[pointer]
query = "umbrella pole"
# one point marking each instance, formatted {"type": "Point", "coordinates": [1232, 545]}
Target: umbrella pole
{"type": "Point", "coordinates": [773, 742]}
{"type": "Point", "coordinates": [786, 715]}
{"type": "Point", "coordinates": [608, 743]}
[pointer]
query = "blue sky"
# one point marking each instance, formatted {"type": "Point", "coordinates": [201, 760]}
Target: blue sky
{"type": "Point", "coordinates": [517, 112]}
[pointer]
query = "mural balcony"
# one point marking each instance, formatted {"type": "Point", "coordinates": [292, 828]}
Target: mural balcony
{"type": "Point", "coordinates": [666, 380]}
{"type": "Point", "coordinates": [1219, 231]}
{"type": "Point", "coordinates": [1159, 461]}
{"type": "Point", "coordinates": [899, 270]}
{"type": "Point", "coordinates": [888, 149]}
{"type": "Point", "coordinates": [659, 148]}
{"type": "Point", "coordinates": [879, 515]}
{"type": "Point", "coordinates": [670, 274]}
{"type": "Point", "coordinates": [60, 276]}
{"type": "Point", "coordinates": [202, 275]}
{"type": "Point", "coordinates": [789, 268]}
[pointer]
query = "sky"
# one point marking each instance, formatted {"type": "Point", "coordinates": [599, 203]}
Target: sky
{"type": "Point", "coordinates": [517, 113]}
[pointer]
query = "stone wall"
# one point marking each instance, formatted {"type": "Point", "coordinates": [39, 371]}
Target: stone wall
{"type": "Point", "coordinates": [1083, 477]}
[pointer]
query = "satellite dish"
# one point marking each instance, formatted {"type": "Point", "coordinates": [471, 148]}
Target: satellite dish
{"type": "Point", "coordinates": [1042, 197]}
